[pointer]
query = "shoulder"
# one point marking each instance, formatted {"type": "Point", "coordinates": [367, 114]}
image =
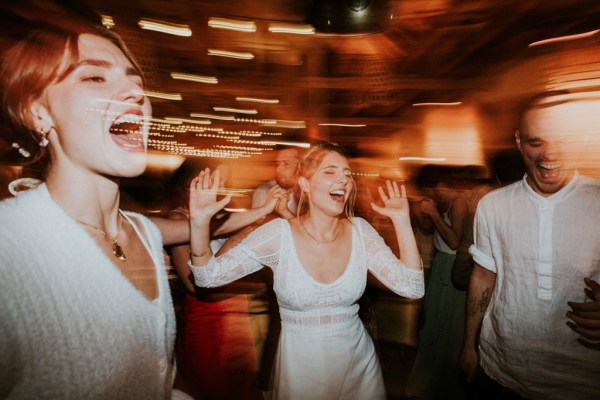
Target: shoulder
{"type": "Point", "coordinates": [362, 225]}
{"type": "Point", "coordinates": [503, 193]}
{"type": "Point", "coordinates": [265, 186]}
{"type": "Point", "coordinates": [588, 184]}
{"type": "Point", "coordinates": [27, 205]}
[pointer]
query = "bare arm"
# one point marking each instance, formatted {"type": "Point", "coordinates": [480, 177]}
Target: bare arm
{"type": "Point", "coordinates": [180, 256]}
{"type": "Point", "coordinates": [236, 221]}
{"type": "Point", "coordinates": [479, 295]}
{"type": "Point", "coordinates": [173, 231]}
{"type": "Point", "coordinates": [452, 234]}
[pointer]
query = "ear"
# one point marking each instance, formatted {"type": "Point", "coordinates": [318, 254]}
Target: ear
{"type": "Point", "coordinates": [518, 139]}
{"type": "Point", "coordinates": [39, 117]}
{"type": "Point", "coordinates": [304, 185]}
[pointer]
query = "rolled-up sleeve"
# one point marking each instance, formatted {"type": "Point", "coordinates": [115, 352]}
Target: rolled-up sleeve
{"type": "Point", "coordinates": [481, 250]}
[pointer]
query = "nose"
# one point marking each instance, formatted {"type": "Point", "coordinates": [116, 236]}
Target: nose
{"type": "Point", "coordinates": [132, 91]}
{"type": "Point", "coordinates": [552, 150]}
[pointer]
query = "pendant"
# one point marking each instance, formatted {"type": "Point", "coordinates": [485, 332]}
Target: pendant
{"type": "Point", "coordinates": [118, 252]}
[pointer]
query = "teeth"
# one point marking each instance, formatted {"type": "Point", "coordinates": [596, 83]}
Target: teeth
{"type": "Point", "coordinates": [338, 192]}
{"type": "Point", "coordinates": [128, 118]}
{"type": "Point", "coordinates": [548, 166]}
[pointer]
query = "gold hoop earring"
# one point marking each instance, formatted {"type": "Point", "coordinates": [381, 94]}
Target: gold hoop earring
{"type": "Point", "coordinates": [43, 139]}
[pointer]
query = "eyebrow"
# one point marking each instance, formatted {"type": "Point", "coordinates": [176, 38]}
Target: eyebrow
{"type": "Point", "coordinates": [106, 64]}
{"type": "Point", "coordinates": [335, 166]}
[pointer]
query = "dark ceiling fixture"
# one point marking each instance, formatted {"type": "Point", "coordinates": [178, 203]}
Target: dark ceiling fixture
{"type": "Point", "coordinates": [350, 16]}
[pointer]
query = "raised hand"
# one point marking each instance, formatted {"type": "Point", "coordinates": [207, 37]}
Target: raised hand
{"type": "Point", "coordinates": [586, 316]}
{"type": "Point", "coordinates": [395, 202]}
{"type": "Point", "coordinates": [203, 197]}
{"type": "Point", "coordinates": [275, 196]}
{"type": "Point", "coordinates": [429, 206]}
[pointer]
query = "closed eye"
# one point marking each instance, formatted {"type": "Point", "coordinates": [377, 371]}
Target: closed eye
{"type": "Point", "coordinates": [94, 78]}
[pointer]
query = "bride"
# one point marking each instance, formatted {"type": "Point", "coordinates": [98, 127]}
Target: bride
{"type": "Point", "coordinates": [320, 261]}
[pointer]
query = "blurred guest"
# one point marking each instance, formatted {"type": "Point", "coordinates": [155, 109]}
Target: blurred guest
{"type": "Point", "coordinates": [475, 185]}
{"type": "Point", "coordinates": [435, 372]}
{"type": "Point", "coordinates": [536, 250]}
{"type": "Point", "coordinates": [287, 161]}
{"type": "Point", "coordinates": [85, 306]}
{"type": "Point", "coordinates": [215, 346]}
{"type": "Point", "coordinates": [324, 350]}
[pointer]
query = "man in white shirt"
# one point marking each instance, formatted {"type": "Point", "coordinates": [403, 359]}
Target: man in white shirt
{"type": "Point", "coordinates": [287, 161]}
{"type": "Point", "coordinates": [532, 324]}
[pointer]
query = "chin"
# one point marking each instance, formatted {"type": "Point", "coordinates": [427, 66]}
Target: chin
{"type": "Point", "coordinates": [135, 167]}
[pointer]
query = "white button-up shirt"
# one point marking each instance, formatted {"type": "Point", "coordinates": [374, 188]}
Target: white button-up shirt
{"type": "Point", "coordinates": [541, 248]}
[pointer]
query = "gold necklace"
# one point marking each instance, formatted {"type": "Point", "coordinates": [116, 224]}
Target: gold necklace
{"type": "Point", "coordinates": [321, 241]}
{"type": "Point", "coordinates": [116, 249]}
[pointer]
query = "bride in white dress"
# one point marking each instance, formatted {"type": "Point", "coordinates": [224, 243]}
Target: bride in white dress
{"type": "Point", "coordinates": [320, 261]}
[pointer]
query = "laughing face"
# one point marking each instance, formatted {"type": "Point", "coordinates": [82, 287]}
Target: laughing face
{"type": "Point", "coordinates": [547, 143]}
{"type": "Point", "coordinates": [96, 115]}
{"type": "Point", "coordinates": [331, 185]}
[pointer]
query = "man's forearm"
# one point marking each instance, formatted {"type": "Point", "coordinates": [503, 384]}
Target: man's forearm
{"type": "Point", "coordinates": [479, 295]}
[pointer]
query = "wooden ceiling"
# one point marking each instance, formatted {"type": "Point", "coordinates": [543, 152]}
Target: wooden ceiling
{"type": "Point", "coordinates": [367, 71]}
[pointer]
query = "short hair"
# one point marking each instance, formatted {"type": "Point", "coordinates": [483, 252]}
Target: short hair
{"type": "Point", "coordinates": [307, 169]}
{"type": "Point", "coordinates": [540, 101]}
{"type": "Point", "coordinates": [46, 56]}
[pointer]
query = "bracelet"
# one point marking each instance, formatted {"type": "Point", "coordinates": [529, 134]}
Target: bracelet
{"type": "Point", "coordinates": [201, 254]}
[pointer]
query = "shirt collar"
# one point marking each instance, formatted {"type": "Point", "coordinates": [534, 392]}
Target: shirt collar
{"type": "Point", "coordinates": [556, 197]}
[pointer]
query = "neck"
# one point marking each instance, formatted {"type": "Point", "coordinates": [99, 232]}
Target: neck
{"type": "Point", "coordinates": [322, 230]}
{"type": "Point", "coordinates": [91, 198]}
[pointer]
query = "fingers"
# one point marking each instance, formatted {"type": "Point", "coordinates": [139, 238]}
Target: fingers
{"type": "Point", "coordinates": [586, 327]}
{"type": "Point", "coordinates": [591, 307]}
{"type": "Point", "coordinates": [384, 197]}
{"type": "Point", "coordinates": [593, 289]}
{"type": "Point", "coordinates": [223, 202]}
{"type": "Point", "coordinates": [390, 188]}
{"type": "Point", "coordinates": [589, 345]}
{"type": "Point", "coordinates": [403, 191]}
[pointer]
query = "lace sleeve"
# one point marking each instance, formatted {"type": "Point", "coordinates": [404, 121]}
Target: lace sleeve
{"type": "Point", "coordinates": [386, 267]}
{"type": "Point", "coordinates": [261, 247]}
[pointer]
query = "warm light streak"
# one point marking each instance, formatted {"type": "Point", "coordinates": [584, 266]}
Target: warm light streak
{"type": "Point", "coordinates": [233, 192]}
{"type": "Point", "coordinates": [164, 121]}
{"type": "Point", "coordinates": [190, 121]}
{"type": "Point", "coordinates": [366, 174]}
{"type": "Point", "coordinates": [234, 110]}
{"type": "Point", "coordinates": [291, 28]}
{"type": "Point", "coordinates": [230, 24]}
{"type": "Point", "coordinates": [286, 124]}
{"type": "Point", "coordinates": [231, 54]}
{"type": "Point", "coordinates": [194, 78]}
{"type": "Point", "coordinates": [212, 116]}
{"type": "Point", "coordinates": [425, 159]}
{"type": "Point", "coordinates": [345, 125]}
{"type": "Point", "coordinates": [107, 21]}
{"type": "Point", "coordinates": [256, 100]}
{"type": "Point", "coordinates": [452, 104]}
{"type": "Point", "coordinates": [295, 144]}
{"type": "Point", "coordinates": [564, 38]}
{"type": "Point", "coordinates": [161, 95]}
{"type": "Point", "coordinates": [235, 209]}
{"type": "Point", "coordinates": [165, 27]}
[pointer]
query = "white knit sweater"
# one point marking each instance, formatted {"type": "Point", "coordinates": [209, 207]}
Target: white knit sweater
{"type": "Point", "coordinates": [71, 325]}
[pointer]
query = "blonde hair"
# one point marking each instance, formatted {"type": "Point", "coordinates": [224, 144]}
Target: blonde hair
{"type": "Point", "coordinates": [307, 169]}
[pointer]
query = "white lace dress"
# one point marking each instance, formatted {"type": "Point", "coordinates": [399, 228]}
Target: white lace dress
{"type": "Point", "coordinates": [324, 350]}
